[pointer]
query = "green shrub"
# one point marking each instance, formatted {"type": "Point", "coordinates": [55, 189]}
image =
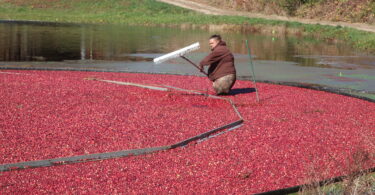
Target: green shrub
{"type": "Point", "coordinates": [290, 6]}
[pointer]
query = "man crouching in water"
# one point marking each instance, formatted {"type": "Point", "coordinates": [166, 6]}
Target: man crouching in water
{"type": "Point", "coordinates": [221, 66]}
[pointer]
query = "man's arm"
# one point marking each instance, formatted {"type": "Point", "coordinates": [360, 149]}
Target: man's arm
{"type": "Point", "coordinates": [214, 56]}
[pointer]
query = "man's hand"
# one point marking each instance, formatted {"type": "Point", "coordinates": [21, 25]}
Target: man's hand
{"type": "Point", "coordinates": [201, 67]}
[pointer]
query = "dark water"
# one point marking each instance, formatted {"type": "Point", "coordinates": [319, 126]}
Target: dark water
{"type": "Point", "coordinates": [131, 48]}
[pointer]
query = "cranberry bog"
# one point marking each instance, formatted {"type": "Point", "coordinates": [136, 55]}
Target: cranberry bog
{"type": "Point", "coordinates": [170, 134]}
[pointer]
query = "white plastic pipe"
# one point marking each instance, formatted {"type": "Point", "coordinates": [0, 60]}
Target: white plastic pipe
{"type": "Point", "coordinates": [178, 53]}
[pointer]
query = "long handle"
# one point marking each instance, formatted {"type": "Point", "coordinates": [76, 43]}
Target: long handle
{"type": "Point", "coordinates": [252, 69]}
{"type": "Point", "coordinates": [192, 63]}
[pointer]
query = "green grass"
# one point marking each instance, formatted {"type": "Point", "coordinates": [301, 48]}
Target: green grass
{"type": "Point", "coordinates": [142, 12]}
{"type": "Point", "coordinates": [150, 12]}
{"type": "Point", "coordinates": [366, 186]}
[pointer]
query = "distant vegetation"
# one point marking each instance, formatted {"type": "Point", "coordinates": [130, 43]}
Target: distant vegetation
{"type": "Point", "coordinates": [362, 11]}
{"type": "Point", "coordinates": [151, 12]}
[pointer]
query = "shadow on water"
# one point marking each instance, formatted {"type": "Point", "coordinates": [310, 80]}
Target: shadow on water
{"type": "Point", "coordinates": [132, 48]}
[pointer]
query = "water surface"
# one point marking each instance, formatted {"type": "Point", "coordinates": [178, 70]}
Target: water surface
{"type": "Point", "coordinates": [132, 48]}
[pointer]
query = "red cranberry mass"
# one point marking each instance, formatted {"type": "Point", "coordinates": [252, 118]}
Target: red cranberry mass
{"type": "Point", "coordinates": [291, 136]}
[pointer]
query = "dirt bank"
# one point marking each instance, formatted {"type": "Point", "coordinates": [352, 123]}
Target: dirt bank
{"type": "Point", "coordinates": [208, 9]}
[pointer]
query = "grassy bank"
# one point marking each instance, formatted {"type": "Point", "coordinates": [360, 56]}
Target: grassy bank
{"type": "Point", "coordinates": [355, 184]}
{"type": "Point", "coordinates": [150, 12]}
{"type": "Point", "coordinates": [360, 11]}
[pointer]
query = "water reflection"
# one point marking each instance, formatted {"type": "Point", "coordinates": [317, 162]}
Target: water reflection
{"type": "Point", "coordinates": [33, 42]}
{"type": "Point", "coordinates": [132, 48]}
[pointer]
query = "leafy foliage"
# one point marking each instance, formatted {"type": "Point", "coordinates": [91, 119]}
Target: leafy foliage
{"type": "Point", "coordinates": [291, 6]}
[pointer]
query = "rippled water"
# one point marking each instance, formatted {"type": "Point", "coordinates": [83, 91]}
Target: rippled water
{"type": "Point", "coordinates": [132, 48]}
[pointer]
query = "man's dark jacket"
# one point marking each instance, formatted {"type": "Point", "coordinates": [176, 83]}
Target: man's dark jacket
{"type": "Point", "coordinates": [221, 62]}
